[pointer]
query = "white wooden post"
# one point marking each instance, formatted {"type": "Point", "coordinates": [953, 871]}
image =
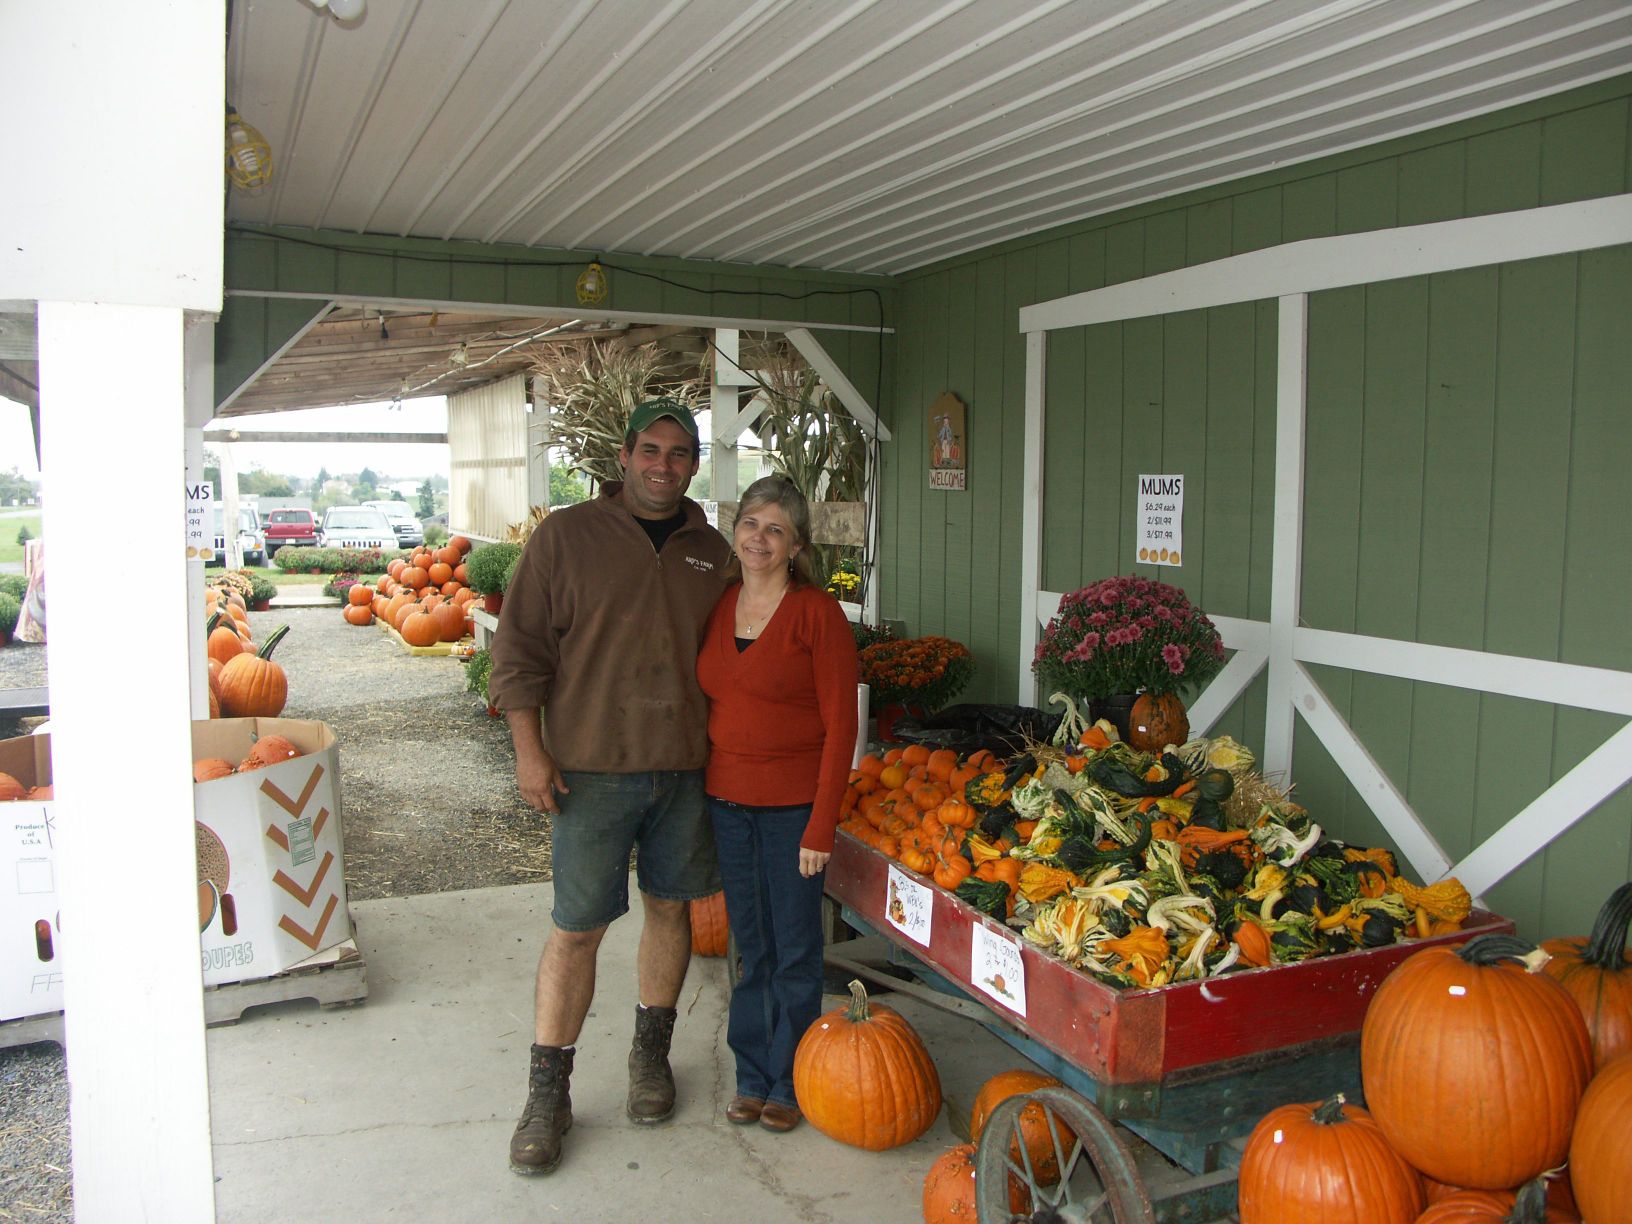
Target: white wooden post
{"type": "Point", "coordinates": [198, 344]}
{"type": "Point", "coordinates": [1286, 561]}
{"type": "Point", "coordinates": [234, 558]}
{"type": "Point", "coordinates": [726, 417]}
{"type": "Point", "coordinates": [1031, 527]}
{"type": "Point", "coordinates": [134, 1010]}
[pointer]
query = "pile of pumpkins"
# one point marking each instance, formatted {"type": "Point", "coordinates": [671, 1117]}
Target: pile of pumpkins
{"type": "Point", "coordinates": [422, 596]}
{"type": "Point", "coordinates": [245, 681]}
{"type": "Point", "coordinates": [1498, 1085]}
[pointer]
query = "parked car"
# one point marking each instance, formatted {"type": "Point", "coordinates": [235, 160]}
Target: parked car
{"type": "Point", "coordinates": [297, 527]}
{"type": "Point", "coordinates": [356, 527]}
{"type": "Point", "coordinates": [250, 540]}
{"type": "Point", "coordinates": [410, 534]}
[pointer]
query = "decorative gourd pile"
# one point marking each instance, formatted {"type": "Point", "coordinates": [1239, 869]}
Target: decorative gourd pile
{"type": "Point", "coordinates": [1506, 1095]}
{"type": "Point", "coordinates": [1137, 867]}
{"type": "Point", "coordinates": [424, 596]}
{"type": "Point", "coordinates": [245, 682]}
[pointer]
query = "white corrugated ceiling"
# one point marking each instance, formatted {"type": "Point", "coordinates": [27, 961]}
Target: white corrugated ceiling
{"type": "Point", "coordinates": [867, 135]}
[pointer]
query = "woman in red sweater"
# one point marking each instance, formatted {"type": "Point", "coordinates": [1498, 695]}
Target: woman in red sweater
{"type": "Point", "coordinates": [778, 664]}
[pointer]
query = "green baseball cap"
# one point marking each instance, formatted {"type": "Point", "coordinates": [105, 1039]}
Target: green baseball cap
{"type": "Point", "coordinates": [646, 415]}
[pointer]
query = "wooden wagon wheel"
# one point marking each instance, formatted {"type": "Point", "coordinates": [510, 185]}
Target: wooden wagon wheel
{"type": "Point", "coordinates": [1098, 1184]}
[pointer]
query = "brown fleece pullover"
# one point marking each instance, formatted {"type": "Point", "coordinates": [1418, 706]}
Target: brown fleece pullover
{"type": "Point", "coordinates": [601, 633]}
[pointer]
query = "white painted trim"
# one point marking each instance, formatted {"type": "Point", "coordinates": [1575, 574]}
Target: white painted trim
{"type": "Point", "coordinates": [724, 416]}
{"type": "Point", "coordinates": [517, 311]}
{"type": "Point", "coordinates": [1286, 558]}
{"type": "Point", "coordinates": [1599, 775]}
{"type": "Point", "coordinates": [1427, 858]}
{"type": "Point", "coordinates": [812, 351]}
{"type": "Point", "coordinates": [1589, 688]}
{"type": "Point", "coordinates": [1348, 259]}
{"type": "Point", "coordinates": [1229, 684]}
{"type": "Point", "coordinates": [1031, 527]}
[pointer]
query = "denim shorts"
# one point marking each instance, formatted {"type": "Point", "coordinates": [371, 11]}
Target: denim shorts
{"type": "Point", "coordinates": [663, 816]}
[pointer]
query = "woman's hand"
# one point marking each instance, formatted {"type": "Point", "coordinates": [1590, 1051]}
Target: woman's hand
{"type": "Point", "coordinates": [811, 861]}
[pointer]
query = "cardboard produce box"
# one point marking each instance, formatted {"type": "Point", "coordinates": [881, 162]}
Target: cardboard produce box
{"type": "Point", "coordinates": [271, 878]}
{"type": "Point", "coordinates": [30, 926]}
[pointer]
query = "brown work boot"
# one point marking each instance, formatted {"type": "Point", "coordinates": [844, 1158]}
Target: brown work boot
{"type": "Point", "coordinates": [651, 1083]}
{"type": "Point", "coordinates": [536, 1146]}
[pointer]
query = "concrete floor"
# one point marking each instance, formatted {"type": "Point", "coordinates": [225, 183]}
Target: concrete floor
{"type": "Point", "coordinates": [402, 1107]}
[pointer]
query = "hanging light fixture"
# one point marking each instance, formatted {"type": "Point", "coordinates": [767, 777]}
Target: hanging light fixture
{"type": "Point", "coordinates": [249, 157]}
{"type": "Point", "coordinates": [592, 286]}
{"type": "Point", "coordinates": [342, 10]}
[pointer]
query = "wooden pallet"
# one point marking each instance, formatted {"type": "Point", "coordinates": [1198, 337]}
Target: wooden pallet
{"type": "Point", "coordinates": [337, 977]}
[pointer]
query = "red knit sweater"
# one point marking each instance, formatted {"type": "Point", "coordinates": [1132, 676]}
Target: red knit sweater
{"type": "Point", "coordinates": [782, 713]}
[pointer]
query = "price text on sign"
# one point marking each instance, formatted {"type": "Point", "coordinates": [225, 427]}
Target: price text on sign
{"type": "Point", "coordinates": [1160, 518]}
{"type": "Point", "coordinates": [200, 499]}
{"type": "Point", "coordinates": [909, 906]}
{"type": "Point", "coordinates": [996, 968]}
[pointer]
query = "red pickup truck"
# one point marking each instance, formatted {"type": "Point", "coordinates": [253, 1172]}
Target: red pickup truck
{"type": "Point", "coordinates": [290, 527]}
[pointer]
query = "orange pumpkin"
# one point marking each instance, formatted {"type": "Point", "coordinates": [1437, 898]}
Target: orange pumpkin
{"type": "Point", "coordinates": [450, 622]}
{"type": "Point", "coordinates": [359, 593]}
{"type": "Point", "coordinates": [1497, 1207]}
{"type": "Point", "coordinates": [413, 577]}
{"type": "Point", "coordinates": [1435, 1035]}
{"type": "Point", "coordinates": [359, 614]}
{"type": "Point", "coordinates": [1600, 1156]}
{"type": "Point", "coordinates": [223, 644]}
{"type": "Point", "coordinates": [949, 1189]}
{"type": "Point", "coordinates": [269, 750]}
{"type": "Point", "coordinates": [709, 926]}
{"type": "Point", "coordinates": [459, 542]}
{"type": "Point", "coordinates": [1597, 971]}
{"type": "Point", "coordinates": [418, 628]}
{"type": "Point", "coordinates": [862, 1076]}
{"type": "Point", "coordinates": [1045, 1161]}
{"type": "Point", "coordinates": [1157, 720]}
{"type": "Point", "coordinates": [254, 685]}
{"type": "Point", "coordinates": [1324, 1161]}
{"type": "Point", "coordinates": [210, 768]}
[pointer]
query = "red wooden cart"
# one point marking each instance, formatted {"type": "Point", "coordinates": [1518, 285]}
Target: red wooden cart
{"type": "Point", "coordinates": [1188, 1067]}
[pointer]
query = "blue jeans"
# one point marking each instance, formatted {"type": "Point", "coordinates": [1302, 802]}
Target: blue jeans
{"type": "Point", "coordinates": [776, 917]}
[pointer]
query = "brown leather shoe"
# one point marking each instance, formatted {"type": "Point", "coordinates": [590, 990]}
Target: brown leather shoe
{"type": "Point", "coordinates": [535, 1148]}
{"type": "Point", "coordinates": [779, 1118]}
{"type": "Point", "coordinates": [743, 1110]}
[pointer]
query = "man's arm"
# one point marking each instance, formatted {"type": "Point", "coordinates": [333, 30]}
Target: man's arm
{"type": "Point", "coordinates": [537, 775]}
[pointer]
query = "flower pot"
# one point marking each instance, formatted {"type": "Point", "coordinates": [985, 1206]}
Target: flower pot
{"type": "Point", "coordinates": [1117, 709]}
{"type": "Point", "coordinates": [261, 605]}
{"type": "Point", "coordinates": [887, 716]}
{"type": "Point", "coordinates": [490, 603]}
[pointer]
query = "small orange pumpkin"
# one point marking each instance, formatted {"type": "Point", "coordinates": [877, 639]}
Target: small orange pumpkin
{"type": "Point", "coordinates": [949, 1188]}
{"type": "Point", "coordinates": [269, 750]}
{"type": "Point", "coordinates": [211, 768]}
{"type": "Point", "coordinates": [359, 614]}
{"type": "Point", "coordinates": [418, 628]}
{"type": "Point", "coordinates": [1597, 971]}
{"type": "Point", "coordinates": [1600, 1156]}
{"type": "Point", "coordinates": [359, 593]}
{"type": "Point", "coordinates": [709, 925]}
{"type": "Point", "coordinates": [1324, 1160]}
{"type": "Point", "coordinates": [1157, 720]}
{"type": "Point", "coordinates": [1045, 1162]}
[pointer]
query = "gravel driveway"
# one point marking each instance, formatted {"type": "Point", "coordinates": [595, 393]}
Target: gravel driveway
{"type": "Point", "coordinates": [429, 804]}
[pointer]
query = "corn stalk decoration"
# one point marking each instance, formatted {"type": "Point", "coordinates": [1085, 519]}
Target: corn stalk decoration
{"type": "Point", "coordinates": [812, 440]}
{"type": "Point", "coordinates": [592, 387]}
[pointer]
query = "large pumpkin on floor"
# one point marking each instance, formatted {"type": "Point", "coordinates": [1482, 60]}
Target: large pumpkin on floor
{"type": "Point", "coordinates": [253, 685]}
{"type": "Point", "coordinates": [1157, 720]}
{"type": "Point", "coordinates": [709, 928]}
{"type": "Point", "coordinates": [1324, 1163]}
{"type": "Point", "coordinates": [1601, 1148]}
{"type": "Point", "coordinates": [862, 1076]}
{"type": "Point", "coordinates": [949, 1188]}
{"type": "Point", "coordinates": [1597, 971]}
{"type": "Point", "coordinates": [1045, 1161]}
{"type": "Point", "coordinates": [1473, 1062]}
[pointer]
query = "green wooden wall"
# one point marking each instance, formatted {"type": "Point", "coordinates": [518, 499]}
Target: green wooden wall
{"type": "Point", "coordinates": [372, 266]}
{"type": "Point", "coordinates": [1467, 439]}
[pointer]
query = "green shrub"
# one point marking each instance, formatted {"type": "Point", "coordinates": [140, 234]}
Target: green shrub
{"type": "Point", "coordinates": [436, 535]}
{"type": "Point", "coordinates": [14, 585]}
{"type": "Point", "coordinates": [261, 587]}
{"type": "Point", "coordinates": [11, 608]}
{"type": "Point", "coordinates": [24, 535]}
{"type": "Point", "coordinates": [477, 669]}
{"type": "Point", "coordinates": [293, 560]}
{"type": "Point", "coordinates": [488, 568]}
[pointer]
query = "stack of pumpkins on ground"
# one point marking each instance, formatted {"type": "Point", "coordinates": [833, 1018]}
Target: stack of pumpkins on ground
{"type": "Point", "coordinates": [268, 750]}
{"type": "Point", "coordinates": [245, 681]}
{"type": "Point", "coordinates": [423, 596]}
{"type": "Point", "coordinates": [1498, 1085]}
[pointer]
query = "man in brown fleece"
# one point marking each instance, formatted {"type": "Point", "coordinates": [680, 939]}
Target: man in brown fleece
{"type": "Point", "coordinates": [594, 666]}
